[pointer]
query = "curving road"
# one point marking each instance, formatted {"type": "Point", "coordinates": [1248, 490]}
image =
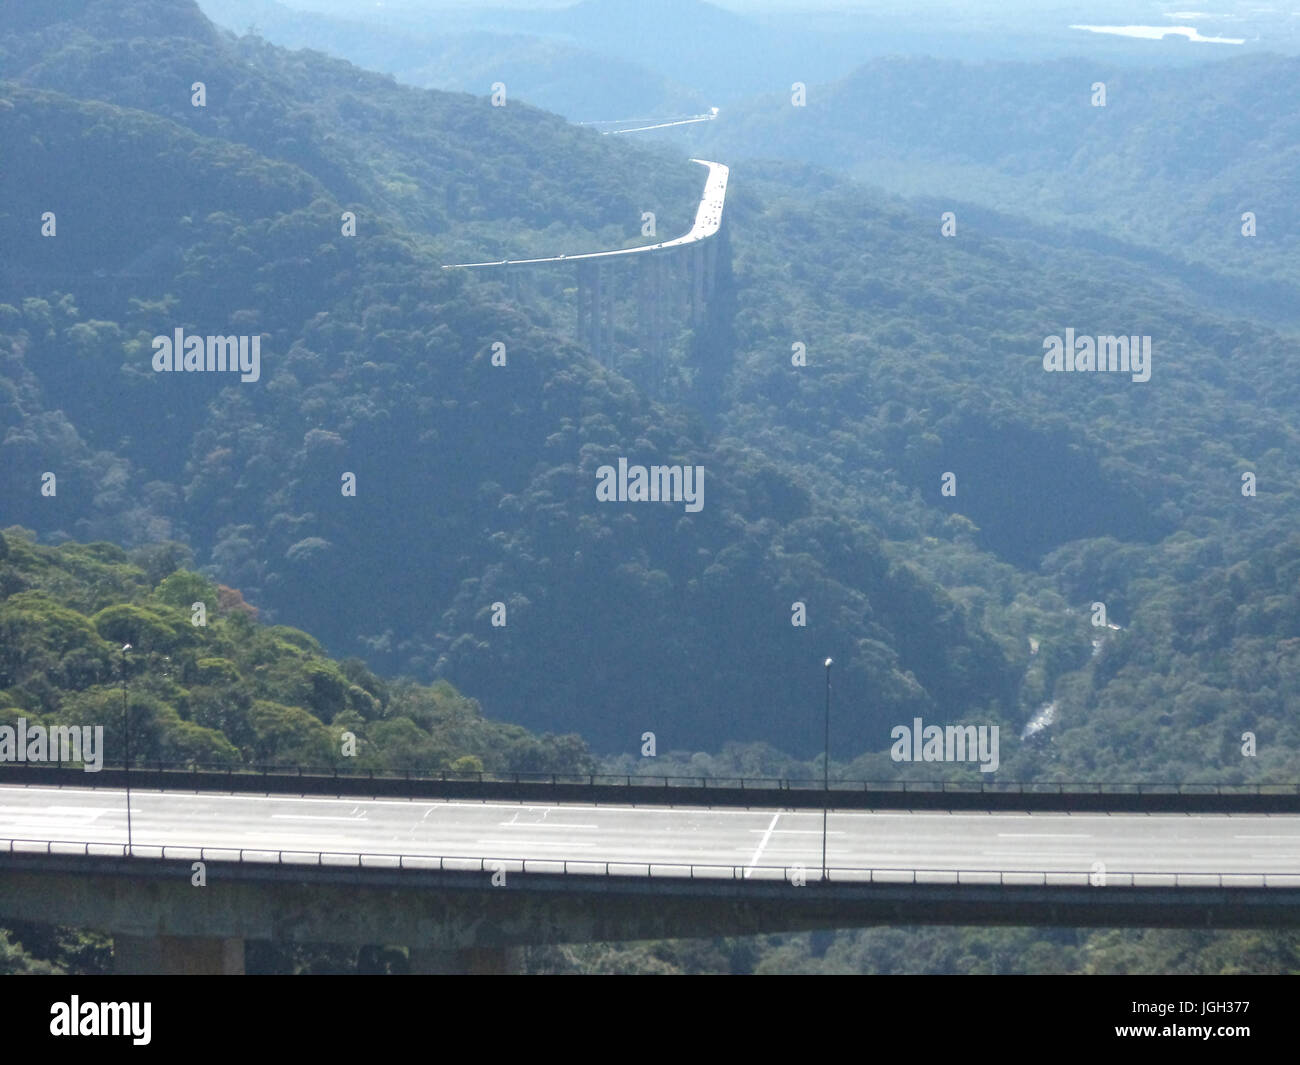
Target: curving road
{"type": "Point", "coordinates": [687, 120]}
{"type": "Point", "coordinates": [758, 840]}
{"type": "Point", "coordinates": [708, 220]}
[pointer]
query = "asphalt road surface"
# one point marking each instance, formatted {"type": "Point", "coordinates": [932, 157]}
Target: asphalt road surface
{"type": "Point", "coordinates": [708, 220]}
{"type": "Point", "coordinates": [755, 842]}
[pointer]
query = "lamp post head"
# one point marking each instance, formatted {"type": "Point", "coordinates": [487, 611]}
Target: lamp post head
{"type": "Point", "coordinates": [126, 647]}
{"type": "Point", "coordinates": [828, 662]}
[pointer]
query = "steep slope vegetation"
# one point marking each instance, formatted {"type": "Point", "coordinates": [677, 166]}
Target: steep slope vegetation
{"type": "Point", "coordinates": [475, 483]}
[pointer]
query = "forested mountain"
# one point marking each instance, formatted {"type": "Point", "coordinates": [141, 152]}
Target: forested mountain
{"type": "Point", "coordinates": [475, 483]}
{"type": "Point", "coordinates": [228, 689]}
{"type": "Point", "coordinates": [856, 363]}
{"type": "Point", "coordinates": [456, 52]}
{"type": "Point", "coordinates": [1168, 163]}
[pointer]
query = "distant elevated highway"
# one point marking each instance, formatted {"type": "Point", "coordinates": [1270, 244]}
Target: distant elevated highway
{"type": "Point", "coordinates": [643, 125]}
{"type": "Point", "coordinates": [672, 283]}
{"type": "Point", "coordinates": [708, 220]}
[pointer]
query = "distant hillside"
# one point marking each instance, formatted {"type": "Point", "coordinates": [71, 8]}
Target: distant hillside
{"type": "Point", "coordinates": [546, 72]}
{"type": "Point", "coordinates": [1170, 163]}
{"type": "Point", "coordinates": [475, 548]}
{"type": "Point", "coordinates": [925, 357]}
{"type": "Point", "coordinates": [475, 483]}
{"type": "Point", "coordinates": [434, 162]}
{"type": "Point", "coordinates": [227, 691]}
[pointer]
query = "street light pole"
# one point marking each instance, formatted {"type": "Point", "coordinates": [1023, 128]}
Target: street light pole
{"type": "Point", "coordinates": [126, 760]}
{"type": "Point", "coordinates": [826, 766]}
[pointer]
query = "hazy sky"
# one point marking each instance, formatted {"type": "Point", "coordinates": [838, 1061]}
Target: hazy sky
{"type": "Point", "coordinates": [1011, 11]}
{"type": "Point", "coordinates": [904, 7]}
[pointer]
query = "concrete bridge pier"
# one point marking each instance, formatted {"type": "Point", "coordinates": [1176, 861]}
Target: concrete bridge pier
{"type": "Point", "coordinates": [582, 327]}
{"type": "Point", "coordinates": [596, 310]}
{"type": "Point", "coordinates": [652, 319]}
{"type": "Point", "coordinates": [607, 318]}
{"type": "Point", "coordinates": [178, 955]}
{"type": "Point", "coordinates": [697, 269]}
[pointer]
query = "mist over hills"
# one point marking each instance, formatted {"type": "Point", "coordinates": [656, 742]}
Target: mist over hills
{"type": "Point", "coordinates": [1170, 162]}
{"type": "Point", "coordinates": [457, 52]}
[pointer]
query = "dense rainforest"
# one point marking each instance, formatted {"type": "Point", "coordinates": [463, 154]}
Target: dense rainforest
{"type": "Point", "coordinates": [886, 459]}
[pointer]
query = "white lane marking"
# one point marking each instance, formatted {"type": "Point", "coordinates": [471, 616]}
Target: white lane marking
{"type": "Point", "coordinates": [800, 832]}
{"type": "Point", "coordinates": [1050, 857]}
{"type": "Point", "coordinates": [516, 842]}
{"type": "Point", "coordinates": [315, 817]}
{"type": "Point", "coordinates": [514, 822]}
{"type": "Point", "coordinates": [46, 811]}
{"type": "Point", "coordinates": [51, 825]}
{"type": "Point", "coordinates": [1045, 835]}
{"type": "Point", "coordinates": [762, 843]}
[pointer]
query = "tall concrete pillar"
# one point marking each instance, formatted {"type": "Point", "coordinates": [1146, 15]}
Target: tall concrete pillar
{"type": "Point", "coordinates": [661, 320]}
{"type": "Point", "coordinates": [682, 284]}
{"type": "Point", "coordinates": [586, 304]}
{"type": "Point", "coordinates": [643, 267]}
{"type": "Point", "coordinates": [607, 318]}
{"type": "Point", "coordinates": [697, 284]}
{"type": "Point", "coordinates": [710, 267]}
{"type": "Point", "coordinates": [178, 956]}
{"type": "Point", "coordinates": [597, 303]}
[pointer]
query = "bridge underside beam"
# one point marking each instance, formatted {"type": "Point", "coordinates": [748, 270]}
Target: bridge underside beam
{"type": "Point", "coordinates": [454, 911]}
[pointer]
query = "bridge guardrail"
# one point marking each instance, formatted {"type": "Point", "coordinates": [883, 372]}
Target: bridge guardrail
{"type": "Point", "coordinates": [629, 789]}
{"type": "Point", "coordinates": [743, 783]}
{"type": "Point", "coordinates": [680, 870]}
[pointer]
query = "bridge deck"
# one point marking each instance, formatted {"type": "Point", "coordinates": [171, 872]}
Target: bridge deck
{"type": "Point", "coordinates": [719, 841]}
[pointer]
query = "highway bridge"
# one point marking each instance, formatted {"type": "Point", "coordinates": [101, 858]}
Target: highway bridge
{"type": "Point", "coordinates": [643, 125]}
{"type": "Point", "coordinates": [708, 220]}
{"type": "Point", "coordinates": [463, 882]}
{"type": "Point", "coordinates": [673, 283]}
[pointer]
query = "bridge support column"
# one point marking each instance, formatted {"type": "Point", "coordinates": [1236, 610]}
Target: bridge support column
{"type": "Point", "coordinates": [474, 961]}
{"type": "Point", "coordinates": [586, 304]}
{"type": "Point", "coordinates": [597, 305]}
{"type": "Point", "coordinates": [710, 267]}
{"type": "Point", "coordinates": [607, 319]}
{"type": "Point", "coordinates": [697, 284]}
{"type": "Point", "coordinates": [178, 956]}
{"type": "Point", "coordinates": [659, 327]}
{"type": "Point", "coordinates": [645, 267]}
